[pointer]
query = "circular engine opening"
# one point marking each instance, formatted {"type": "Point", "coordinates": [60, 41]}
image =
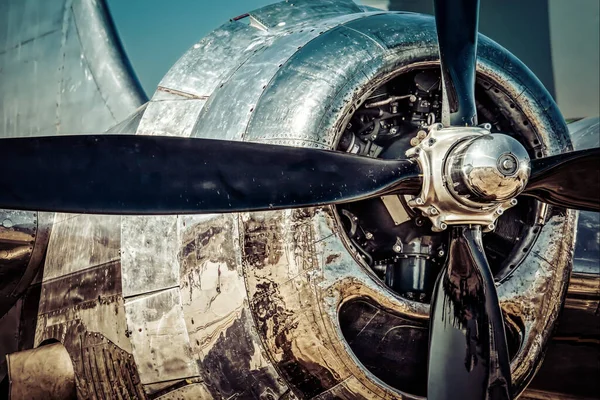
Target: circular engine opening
{"type": "Point", "coordinates": [396, 243]}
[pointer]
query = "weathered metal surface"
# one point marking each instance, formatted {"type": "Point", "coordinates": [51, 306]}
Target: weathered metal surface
{"type": "Point", "coordinates": [79, 242]}
{"type": "Point", "coordinates": [287, 14]}
{"type": "Point", "coordinates": [170, 117]}
{"type": "Point", "coordinates": [249, 305]}
{"type": "Point", "coordinates": [247, 84]}
{"type": "Point", "coordinates": [159, 337]}
{"type": "Point", "coordinates": [62, 69]}
{"type": "Point", "coordinates": [43, 373]}
{"type": "Point", "coordinates": [23, 240]}
{"type": "Point", "coordinates": [213, 59]}
{"type": "Point", "coordinates": [149, 247]}
{"type": "Point", "coordinates": [81, 293]}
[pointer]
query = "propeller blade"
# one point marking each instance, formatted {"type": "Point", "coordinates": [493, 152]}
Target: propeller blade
{"type": "Point", "coordinates": [570, 180]}
{"type": "Point", "coordinates": [468, 356]}
{"type": "Point", "coordinates": [456, 22]}
{"type": "Point", "coordinates": [128, 174]}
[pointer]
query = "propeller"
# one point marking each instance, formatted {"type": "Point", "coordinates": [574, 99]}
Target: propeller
{"type": "Point", "coordinates": [568, 180]}
{"type": "Point", "coordinates": [468, 355]}
{"type": "Point", "coordinates": [128, 174]}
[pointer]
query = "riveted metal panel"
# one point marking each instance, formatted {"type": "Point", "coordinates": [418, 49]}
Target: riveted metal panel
{"type": "Point", "coordinates": [242, 91]}
{"type": "Point", "coordinates": [62, 69]}
{"type": "Point", "coordinates": [29, 87]}
{"type": "Point", "coordinates": [149, 254]}
{"type": "Point", "coordinates": [106, 59]}
{"type": "Point", "coordinates": [170, 117]}
{"type": "Point", "coordinates": [214, 58]}
{"type": "Point", "coordinates": [81, 242]}
{"type": "Point", "coordinates": [223, 337]}
{"type": "Point", "coordinates": [286, 14]}
{"type": "Point", "coordinates": [309, 82]}
{"type": "Point", "coordinates": [23, 21]}
{"type": "Point", "coordinates": [77, 86]}
{"type": "Point", "coordinates": [159, 337]}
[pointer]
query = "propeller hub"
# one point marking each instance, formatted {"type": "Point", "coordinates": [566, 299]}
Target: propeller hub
{"type": "Point", "coordinates": [487, 169]}
{"type": "Point", "coordinates": [470, 177]}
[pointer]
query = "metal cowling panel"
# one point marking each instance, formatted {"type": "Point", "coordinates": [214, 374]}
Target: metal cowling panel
{"type": "Point", "coordinates": [62, 69]}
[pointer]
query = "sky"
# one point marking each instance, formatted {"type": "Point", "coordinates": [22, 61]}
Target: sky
{"type": "Point", "coordinates": [156, 33]}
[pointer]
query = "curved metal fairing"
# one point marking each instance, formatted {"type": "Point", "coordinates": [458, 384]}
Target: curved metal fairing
{"type": "Point", "coordinates": [62, 69]}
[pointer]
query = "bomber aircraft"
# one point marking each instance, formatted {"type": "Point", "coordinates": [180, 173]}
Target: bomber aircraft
{"type": "Point", "coordinates": [320, 200]}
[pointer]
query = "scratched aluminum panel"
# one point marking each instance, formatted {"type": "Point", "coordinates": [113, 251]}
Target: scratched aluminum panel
{"type": "Point", "coordinates": [286, 14]}
{"type": "Point", "coordinates": [159, 337]}
{"type": "Point", "coordinates": [309, 83]}
{"type": "Point", "coordinates": [29, 76]}
{"type": "Point", "coordinates": [105, 57]}
{"type": "Point", "coordinates": [80, 242]}
{"type": "Point", "coordinates": [245, 87]}
{"type": "Point", "coordinates": [62, 69]}
{"type": "Point", "coordinates": [214, 58]}
{"type": "Point", "coordinates": [23, 20]}
{"type": "Point", "coordinates": [78, 87]}
{"type": "Point", "coordinates": [149, 246]}
{"type": "Point", "coordinates": [170, 117]}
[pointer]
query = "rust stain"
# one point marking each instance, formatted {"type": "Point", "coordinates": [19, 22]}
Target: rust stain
{"type": "Point", "coordinates": [263, 243]}
{"type": "Point", "coordinates": [331, 258]}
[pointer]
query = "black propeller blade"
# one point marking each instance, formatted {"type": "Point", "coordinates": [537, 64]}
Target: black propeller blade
{"type": "Point", "coordinates": [468, 354]}
{"type": "Point", "coordinates": [127, 174]}
{"type": "Point", "coordinates": [569, 180]}
{"type": "Point", "coordinates": [468, 357]}
{"type": "Point", "coordinates": [457, 23]}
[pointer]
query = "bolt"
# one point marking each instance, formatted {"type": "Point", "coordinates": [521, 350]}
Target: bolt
{"type": "Point", "coordinates": [491, 227]}
{"type": "Point", "coordinates": [397, 248]}
{"type": "Point", "coordinates": [419, 221]}
{"type": "Point", "coordinates": [433, 211]}
{"type": "Point", "coordinates": [421, 134]}
{"type": "Point", "coordinates": [508, 164]}
{"type": "Point", "coordinates": [443, 226]}
{"type": "Point", "coordinates": [500, 211]}
{"type": "Point", "coordinates": [431, 142]}
{"type": "Point", "coordinates": [419, 201]}
{"type": "Point", "coordinates": [414, 141]}
{"type": "Point", "coordinates": [513, 202]}
{"type": "Point", "coordinates": [441, 253]}
{"type": "Point", "coordinates": [369, 235]}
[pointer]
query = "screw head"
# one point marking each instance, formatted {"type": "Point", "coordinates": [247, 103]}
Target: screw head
{"type": "Point", "coordinates": [441, 253]}
{"type": "Point", "coordinates": [369, 235]}
{"type": "Point", "coordinates": [513, 202]}
{"type": "Point", "coordinates": [433, 211]}
{"type": "Point", "coordinates": [443, 226]}
{"type": "Point", "coordinates": [419, 201]}
{"type": "Point", "coordinates": [491, 227]}
{"type": "Point", "coordinates": [500, 211]}
{"type": "Point", "coordinates": [397, 248]}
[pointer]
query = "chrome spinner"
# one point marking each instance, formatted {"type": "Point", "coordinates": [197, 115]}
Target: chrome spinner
{"type": "Point", "coordinates": [469, 175]}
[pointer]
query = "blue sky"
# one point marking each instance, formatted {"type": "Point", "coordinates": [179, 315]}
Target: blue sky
{"type": "Point", "coordinates": [155, 33]}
